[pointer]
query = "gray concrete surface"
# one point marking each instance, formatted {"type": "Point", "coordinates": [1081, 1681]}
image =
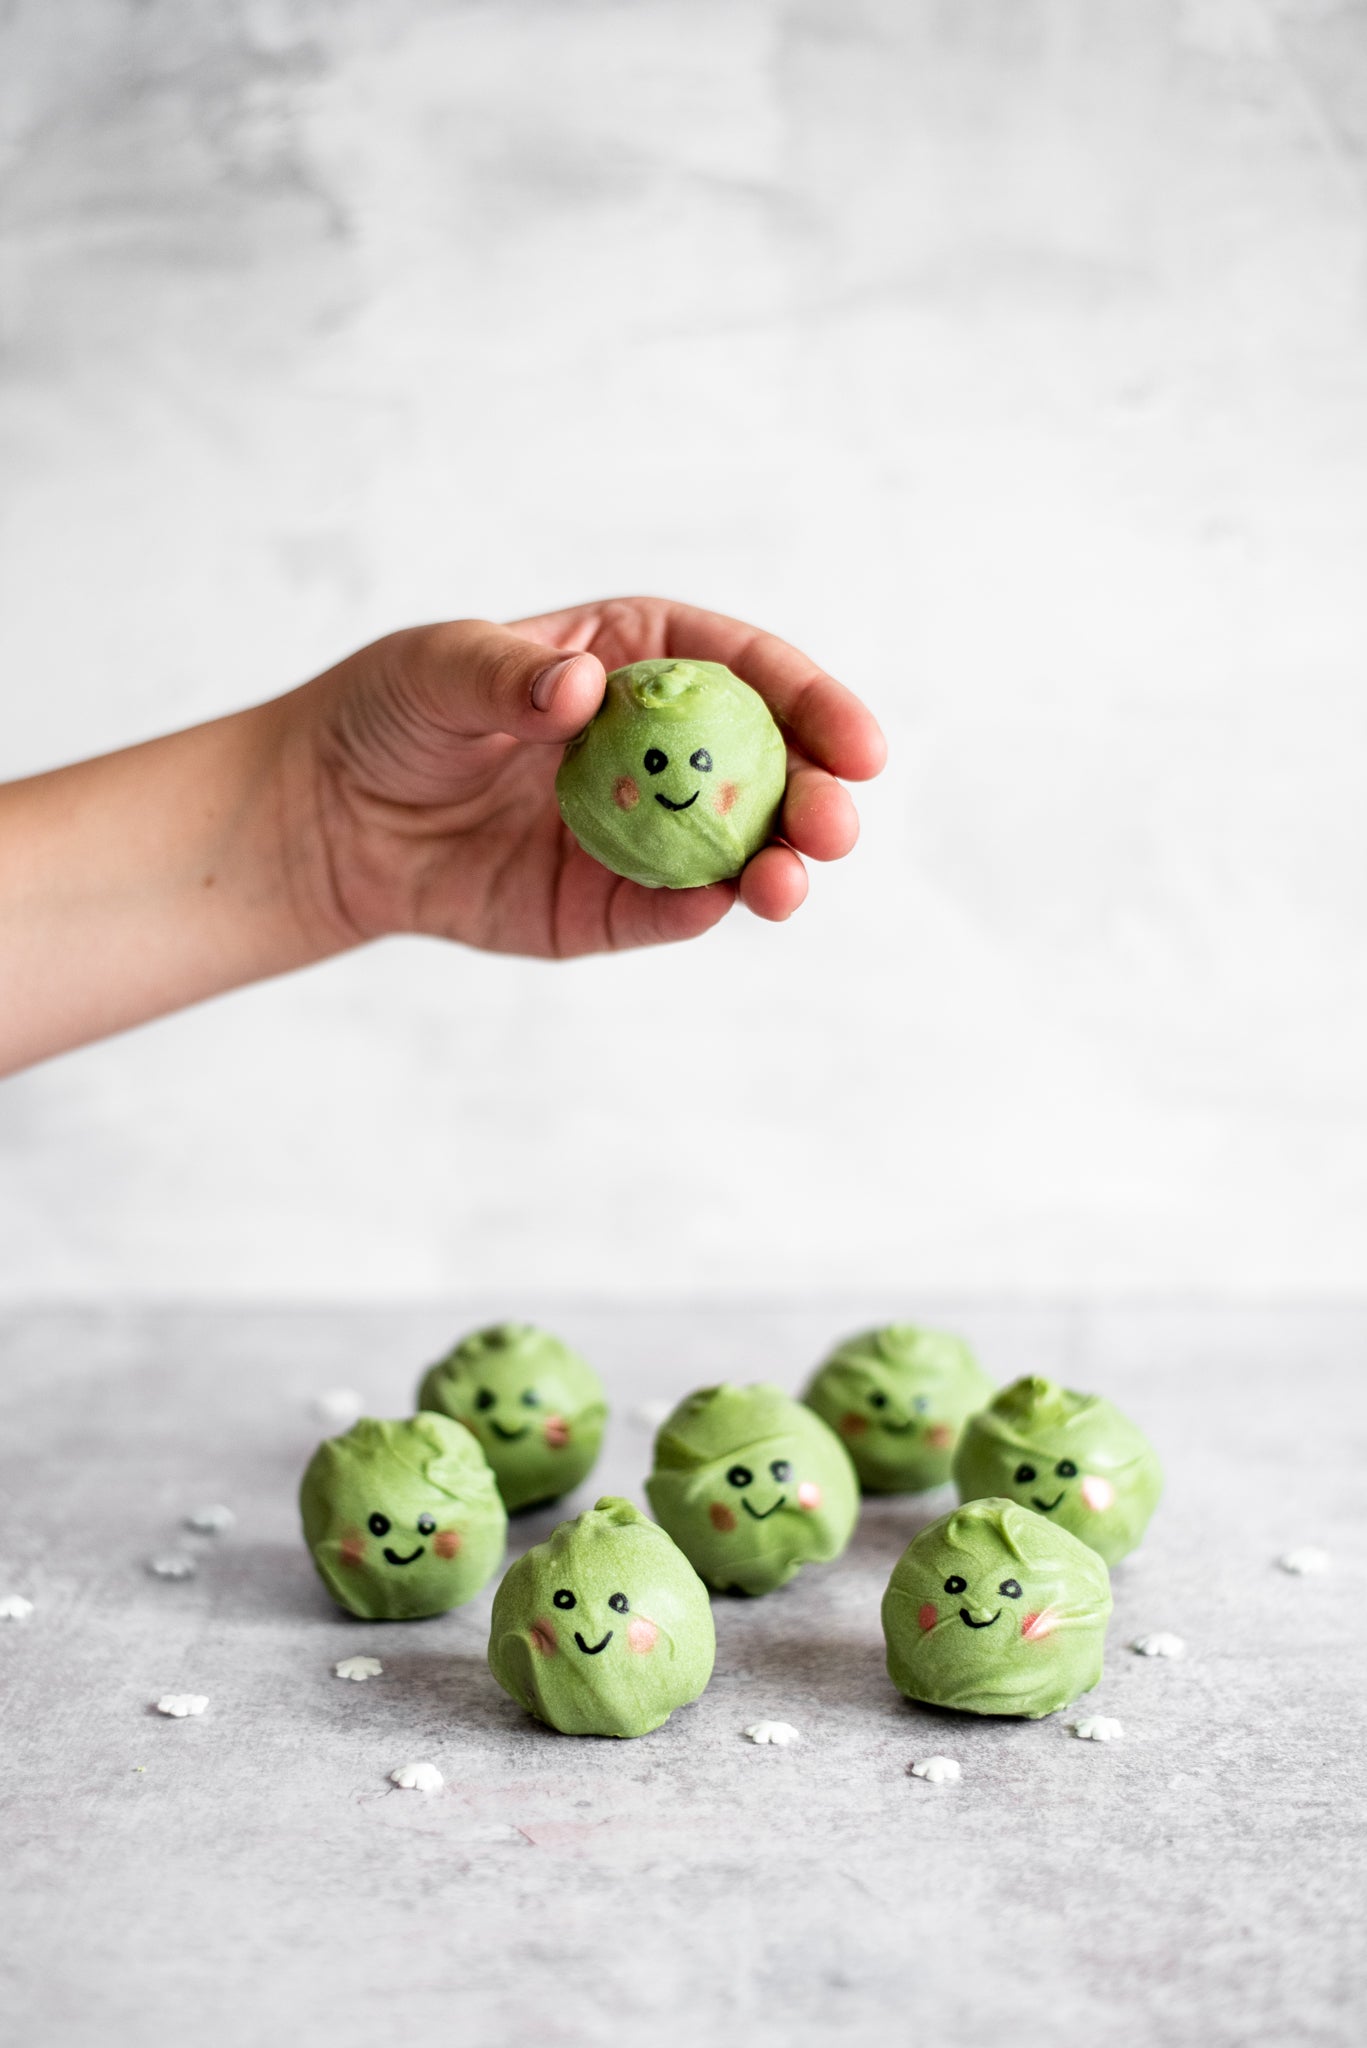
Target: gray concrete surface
{"type": "Point", "coordinates": [250, 1877]}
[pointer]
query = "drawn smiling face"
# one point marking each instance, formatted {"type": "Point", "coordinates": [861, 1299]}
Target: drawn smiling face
{"type": "Point", "coordinates": [403, 1519]}
{"type": "Point", "coordinates": [605, 1628]}
{"type": "Point", "coordinates": [898, 1398]}
{"type": "Point", "coordinates": [994, 1610]}
{"type": "Point", "coordinates": [679, 777]}
{"type": "Point", "coordinates": [751, 1485]}
{"type": "Point", "coordinates": [1071, 1457]}
{"type": "Point", "coordinates": [537, 1408]}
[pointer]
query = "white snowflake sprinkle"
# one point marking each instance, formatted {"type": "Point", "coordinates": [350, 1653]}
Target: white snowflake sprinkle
{"type": "Point", "coordinates": [180, 1704]}
{"type": "Point", "coordinates": [174, 1566]}
{"type": "Point", "coordinates": [211, 1521]}
{"type": "Point", "coordinates": [1306, 1557]}
{"type": "Point", "coordinates": [417, 1778]}
{"type": "Point", "coordinates": [780, 1733]}
{"type": "Point", "coordinates": [1162, 1643]}
{"type": "Point", "coordinates": [14, 1607]}
{"type": "Point", "coordinates": [337, 1407]}
{"type": "Point", "coordinates": [1097, 1728]}
{"type": "Point", "coordinates": [358, 1668]}
{"type": "Point", "coordinates": [937, 1770]}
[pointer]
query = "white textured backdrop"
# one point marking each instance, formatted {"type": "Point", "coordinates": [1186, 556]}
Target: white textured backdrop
{"type": "Point", "coordinates": [1010, 355]}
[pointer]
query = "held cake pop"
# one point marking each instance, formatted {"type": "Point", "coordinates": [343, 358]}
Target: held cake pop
{"type": "Point", "coordinates": [536, 1407]}
{"type": "Point", "coordinates": [679, 777]}
{"type": "Point", "coordinates": [402, 1519]}
{"type": "Point", "coordinates": [605, 1628]}
{"type": "Point", "coordinates": [1071, 1457]}
{"type": "Point", "coordinates": [751, 1485]}
{"type": "Point", "coordinates": [993, 1610]}
{"type": "Point", "coordinates": [897, 1398]}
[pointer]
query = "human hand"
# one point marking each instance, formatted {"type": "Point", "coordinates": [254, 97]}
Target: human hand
{"type": "Point", "coordinates": [429, 760]}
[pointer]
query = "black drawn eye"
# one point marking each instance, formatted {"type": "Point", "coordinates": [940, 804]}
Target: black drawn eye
{"type": "Point", "coordinates": [427, 1525]}
{"type": "Point", "coordinates": [956, 1584]}
{"type": "Point", "coordinates": [920, 1404]}
{"type": "Point", "coordinates": [484, 1399]}
{"type": "Point", "coordinates": [655, 761]}
{"type": "Point", "coordinates": [740, 1475]}
{"type": "Point", "coordinates": [702, 761]}
{"type": "Point", "coordinates": [878, 1400]}
{"type": "Point", "coordinates": [1011, 1588]}
{"type": "Point", "coordinates": [781, 1469]}
{"type": "Point", "coordinates": [1024, 1474]}
{"type": "Point", "coordinates": [564, 1598]}
{"type": "Point", "coordinates": [379, 1525]}
{"type": "Point", "coordinates": [1066, 1469]}
{"type": "Point", "coordinates": [531, 1399]}
{"type": "Point", "coordinates": [619, 1603]}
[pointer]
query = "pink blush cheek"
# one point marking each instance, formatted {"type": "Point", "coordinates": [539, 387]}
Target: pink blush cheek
{"type": "Point", "coordinates": [928, 1615]}
{"type": "Point", "coordinates": [809, 1495]}
{"type": "Point", "coordinates": [725, 799]}
{"type": "Point", "coordinates": [853, 1425]}
{"type": "Point", "coordinates": [1036, 1627]}
{"type": "Point", "coordinates": [1099, 1494]}
{"type": "Point", "coordinates": [939, 1436]}
{"type": "Point", "coordinates": [721, 1518]}
{"type": "Point", "coordinates": [625, 793]}
{"type": "Point", "coordinates": [353, 1548]}
{"type": "Point", "coordinates": [543, 1638]}
{"type": "Point", "coordinates": [556, 1432]}
{"type": "Point", "coordinates": [642, 1636]}
{"type": "Point", "coordinates": [446, 1543]}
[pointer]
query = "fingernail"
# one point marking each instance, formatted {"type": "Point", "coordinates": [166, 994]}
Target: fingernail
{"type": "Point", "coordinates": [549, 681]}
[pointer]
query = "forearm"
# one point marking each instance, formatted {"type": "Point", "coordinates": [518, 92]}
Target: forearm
{"type": "Point", "coordinates": [140, 882]}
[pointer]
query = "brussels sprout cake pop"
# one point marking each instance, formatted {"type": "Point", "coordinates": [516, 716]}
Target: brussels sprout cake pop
{"type": "Point", "coordinates": [603, 1629]}
{"type": "Point", "coordinates": [993, 1610]}
{"type": "Point", "coordinates": [403, 1519]}
{"type": "Point", "coordinates": [536, 1407]}
{"type": "Point", "coordinates": [898, 1398]}
{"type": "Point", "coordinates": [751, 1485]}
{"type": "Point", "coordinates": [679, 777]}
{"type": "Point", "coordinates": [1072, 1457]}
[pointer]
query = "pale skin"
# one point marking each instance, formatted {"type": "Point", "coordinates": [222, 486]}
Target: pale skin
{"type": "Point", "coordinates": [409, 789]}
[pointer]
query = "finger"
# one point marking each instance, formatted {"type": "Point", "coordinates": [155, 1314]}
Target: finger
{"type": "Point", "coordinates": [819, 817]}
{"type": "Point", "coordinates": [662, 917]}
{"type": "Point", "coordinates": [828, 721]}
{"type": "Point", "coordinates": [774, 884]}
{"type": "Point", "coordinates": [480, 678]}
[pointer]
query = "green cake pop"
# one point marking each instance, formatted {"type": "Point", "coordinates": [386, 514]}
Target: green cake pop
{"type": "Point", "coordinates": [993, 1610]}
{"type": "Point", "coordinates": [898, 1397]}
{"type": "Point", "coordinates": [537, 1408]}
{"type": "Point", "coordinates": [402, 1518]}
{"type": "Point", "coordinates": [1072, 1457]}
{"type": "Point", "coordinates": [603, 1629]}
{"type": "Point", "coordinates": [751, 1485]}
{"type": "Point", "coordinates": [679, 777]}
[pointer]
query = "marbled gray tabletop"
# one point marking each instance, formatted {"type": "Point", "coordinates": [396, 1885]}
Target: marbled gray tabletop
{"type": "Point", "coordinates": [251, 1876]}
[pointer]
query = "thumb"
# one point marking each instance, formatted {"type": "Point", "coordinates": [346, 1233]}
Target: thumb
{"type": "Point", "coordinates": [489, 679]}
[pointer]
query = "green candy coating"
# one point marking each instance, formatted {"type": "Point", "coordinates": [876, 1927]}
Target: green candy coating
{"type": "Point", "coordinates": [897, 1398]}
{"type": "Point", "coordinates": [679, 777]}
{"type": "Point", "coordinates": [1072, 1457]}
{"type": "Point", "coordinates": [536, 1407]}
{"type": "Point", "coordinates": [421, 1489]}
{"type": "Point", "coordinates": [604, 1628]}
{"type": "Point", "coordinates": [752, 1485]}
{"type": "Point", "coordinates": [993, 1610]}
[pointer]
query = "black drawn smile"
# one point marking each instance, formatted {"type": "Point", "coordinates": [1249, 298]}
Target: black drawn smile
{"type": "Point", "coordinates": [898, 1428]}
{"type": "Point", "coordinates": [671, 806]}
{"type": "Point", "coordinates": [509, 1436]}
{"type": "Point", "coordinates": [772, 1509]}
{"type": "Point", "coordinates": [1046, 1507]}
{"type": "Point", "coordinates": [967, 1619]}
{"type": "Point", "coordinates": [592, 1649]}
{"type": "Point", "coordinates": [392, 1556]}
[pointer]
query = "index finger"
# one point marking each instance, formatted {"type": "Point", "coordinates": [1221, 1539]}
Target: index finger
{"type": "Point", "coordinates": [827, 721]}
